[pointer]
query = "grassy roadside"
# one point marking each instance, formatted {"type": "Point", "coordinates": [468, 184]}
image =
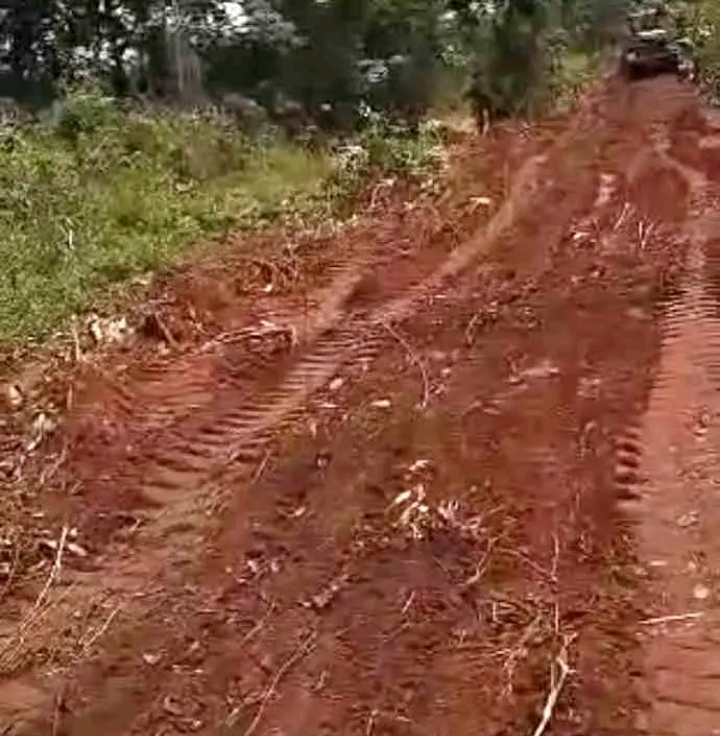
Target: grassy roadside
{"type": "Point", "coordinates": [92, 197]}
{"type": "Point", "coordinates": [87, 206]}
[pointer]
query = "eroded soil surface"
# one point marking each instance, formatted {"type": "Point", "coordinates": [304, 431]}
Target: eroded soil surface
{"type": "Point", "coordinates": [453, 469]}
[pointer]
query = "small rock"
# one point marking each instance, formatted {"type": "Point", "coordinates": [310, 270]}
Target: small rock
{"type": "Point", "coordinates": [336, 383]}
{"type": "Point", "coordinates": [480, 202]}
{"type": "Point", "coordinates": [637, 313]}
{"type": "Point", "coordinates": [108, 330]}
{"type": "Point", "coordinates": [42, 426]}
{"type": "Point", "coordinates": [151, 659]}
{"type": "Point", "coordinates": [171, 706]}
{"type": "Point", "coordinates": [419, 465]}
{"type": "Point", "coordinates": [544, 369]}
{"type": "Point", "coordinates": [701, 592]}
{"type": "Point", "coordinates": [642, 722]}
{"type": "Point", "coordinates": [76, 549]}
{"type": "Point", "coordinates": [688, 520]}
{"type": "Point", "coordinates": [381, 404]}
{"type": "Point", "coordinates": [14, 397]}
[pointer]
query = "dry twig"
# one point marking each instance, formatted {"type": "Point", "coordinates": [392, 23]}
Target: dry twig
{"type": "Point", "coordinates": [11, 575]}
{"type": "Point", "coordinates": [49, 472]}
{"type": "Point", "coordinates": [556, 557]}
{"type": "Point", "coordinates": [77, 353]}
{"type": "Point", "coordinates": [517, 652]}
{"type": "Point", "coordinates": [548, 574]}
{"type": "Point", "coordinates": [54, 573]}
{"type": "Point", "coordinates": [645, 230]}
{"type": "Point", "coordinates": [415, 359]}
{"type": "Point", "coordinates": [258, 626]}
{"type": "Point", "coordinates": [559, 671]}
{"type": "Point", "coordinates": [621, 218]}
{"type": "Point", "coordinates": [300, 652]}
{"type": "Point", "coordinates": [260, 469]}
{"type": "Point", "coordinates": [86, 643]}
{"type": "Point", "coordinates": [57, 710]}
{"type": "Point", "coordinates": [481, 566]}
{"type": "Point", "coordinates": [32, 614]}
{"type": "Point", "coordinates": [671, 619]}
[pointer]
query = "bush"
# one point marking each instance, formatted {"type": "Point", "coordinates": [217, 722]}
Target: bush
{"type": "Point", "coordinates": [92, 195]}
{"type": "Point", "coordinates": [511, 75]}
{"type": "Point", "coordinates": [83, 112]}
{"type": "Point", "coordinates": [383, 148]}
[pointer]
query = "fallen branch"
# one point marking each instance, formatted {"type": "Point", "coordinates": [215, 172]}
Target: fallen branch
{"type": "Point", "coordinates": [154, 323]}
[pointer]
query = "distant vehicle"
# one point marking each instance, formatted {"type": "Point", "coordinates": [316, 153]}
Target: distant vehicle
{"type": "Point", "coordinates": [648, 53]}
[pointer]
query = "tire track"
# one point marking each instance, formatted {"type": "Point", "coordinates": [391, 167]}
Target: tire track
{"type": "Point", "coordinates": [201, 449]}
{"type": "Point", "coordinates": [192, 443]}
{"type": "Point", "coordinates": [667, 475]}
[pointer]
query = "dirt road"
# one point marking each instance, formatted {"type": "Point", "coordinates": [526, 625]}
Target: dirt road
{"type": "Point", "coordinates": [451, 470]}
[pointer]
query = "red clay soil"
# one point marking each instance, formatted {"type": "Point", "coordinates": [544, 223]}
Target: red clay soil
{"type": "Point", "coordinates": [411, 500]}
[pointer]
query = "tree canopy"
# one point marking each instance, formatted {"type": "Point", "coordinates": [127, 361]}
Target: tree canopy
{"type": "Point", "coordinates": [319, 53]}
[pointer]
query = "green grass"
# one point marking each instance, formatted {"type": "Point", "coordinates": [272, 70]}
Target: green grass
{"type": "Point", "coordinates": [704, 29]}
{"type": "Point", "coordinates": [86, 206]}
{"type": "Point", "coordinates": [92, 197]}
{"type": "Point", "coordinates": [576, 71]}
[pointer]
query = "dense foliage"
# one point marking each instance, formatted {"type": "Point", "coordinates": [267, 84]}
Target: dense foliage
{"type": "Point", "coordinates": [129, 160]}
{"type": "Point", "coordinates": [317, 58]}
{"type": "Point", "coordinates": [700, 21]}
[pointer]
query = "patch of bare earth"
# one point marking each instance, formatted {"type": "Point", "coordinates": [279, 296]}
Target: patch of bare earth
{"type": "Point", "coordinates": [382, 499]}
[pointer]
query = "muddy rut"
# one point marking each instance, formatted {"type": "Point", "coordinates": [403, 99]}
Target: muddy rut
{"type": "Point", "coordinates": [468, 485]}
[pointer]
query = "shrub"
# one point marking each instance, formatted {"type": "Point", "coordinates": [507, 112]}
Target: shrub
{"type": "Point", "coordinates": [83, 112]}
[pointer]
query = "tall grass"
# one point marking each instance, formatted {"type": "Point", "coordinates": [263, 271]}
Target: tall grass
{"type": "Point", "coordinates": [92, 197]}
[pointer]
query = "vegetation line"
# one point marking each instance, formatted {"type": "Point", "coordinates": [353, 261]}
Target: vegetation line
{"type": "Point", "coordinates": [129, 131]}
